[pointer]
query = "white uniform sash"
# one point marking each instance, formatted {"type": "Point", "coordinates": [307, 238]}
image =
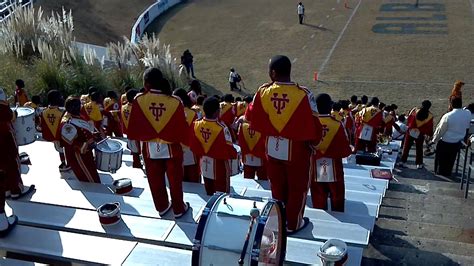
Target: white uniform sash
{"type": "Point", "coordinates": [366, 132]}
{"type": "Point", "coordinates": [251, 160]}
{"type": "Point", "coordinates": [158, 150]}
{"type": "Point", "coordinates": [325, 170]}
{"type": "Point", "coordinates": [188, 156]}
{"type": "Point", "coordinates": [207, 167]}
{"type": "Point", "coordinates": [278, 148]}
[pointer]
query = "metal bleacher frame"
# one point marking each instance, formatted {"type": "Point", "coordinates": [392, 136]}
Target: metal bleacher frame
{"type": "Point", "coordinates": [7, 5]}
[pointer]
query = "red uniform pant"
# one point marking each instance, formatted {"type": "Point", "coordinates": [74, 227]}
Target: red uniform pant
{"type": "Point", "coordinates": [290, 182]}
{"type": "Point", "coordinates": [155, 171]}
{"type": "Point", "coordinates": [419, 148]}
{"type": "Point", "coordinates": [251, 171]}
{"type": "Point", "coordinates": [320, 191]}
{"type": "Point", "coordinates": [3, 184]}
{"type": "Point", "coordinates": [114, 127]}
{"type": "Point", "coordinates": [83, 165]}
{"type": "Point", "coordinates": [192, 173]}
{"type": "Point", "coordinates": [10, 163]}
{"type": "Point", "coordinates": [221, 182]}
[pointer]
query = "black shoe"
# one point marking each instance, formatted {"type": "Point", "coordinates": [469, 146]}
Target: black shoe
{"type": "Point", "coordinates": [24, 192]}
{"type": "Point", "coordinates": [64, 167]}
{"type": "Point", "coordinates": [12, 221]}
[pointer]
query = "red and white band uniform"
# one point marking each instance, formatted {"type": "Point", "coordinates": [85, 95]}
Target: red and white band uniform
{"type": "Point", "coordinates": [349, 124]}
{"type": "Point", "coordinates": [240, 108]}
{"type": "Point", "coordinates": [92, 112]}
{"type": "Point", "coordinates": [286, 115]}
{"type": "Point", "coordinates": [158, 121]}
{"type": "Point", "coordinates": [132, 145]}
{"type": "Point", "coordinates": [211, 140]}
{"type": "Point", "coordinates": [369, 121]}
{"type": "Point", "coordinates": [417, 130]}
{"type": "Point", "coordinates": [112, 117]}
{"type": "Point", "coordinates": [252, 145]}
{"type": "Point", "coordinates": [77, 138]}
{"type": "Point", "coordinates": [192, 173]}
{"type": "Point", "coordinates": [227, 116]}
{"type": "Point", "coordinates": [9, 159]}
{"type": "Point", "coordinates": [326, 165]}
{"type": "Point", "coordinates": [51, 128]}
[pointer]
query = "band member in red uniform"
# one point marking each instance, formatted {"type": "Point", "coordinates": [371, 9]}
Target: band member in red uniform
{"type": "Point", "coordinates": [370, 119]}
{"type": "Point", "coordinates": [336, 112]}
{"type": "Point", "coordinates": [86, 98]}
{"type": "Point", "coordinates": [51, 124]}
{"type": "Point", "coordinates": [420, 124]}
{"type": "Point", "coordinates": [158, 120]}
{"type": "Point", "coordinates": [78, 138]}
{"type": "Point", "coordinates": [326, 164]}
{"type": "Point", "coordinates": [9, 158]}
{"type": "Point", "coordinates": [133, 145]}
{"type": "Point", "coordinates": [21, 97]}
{"type": "Point", "coordinates": [112, 114]}
{"type": "Point", "coordinates": [93, 112]}
{"type": "Point", "coordinates": [211, 141]}
{"type": "Point", "coordinates": [286, 114]}
{"type": "Point", "coordinates": [7, 162]}
{"type": "Point", "coordinates": [349, 123]}
{"type": "Point", "coordinates": [123, 97]}
{"type": "Point", "coordinates": [389, 121]}
{"type": "Point", "coordinates": [192, 173]}
{"type": "Point", "coordinates": [252, 145]}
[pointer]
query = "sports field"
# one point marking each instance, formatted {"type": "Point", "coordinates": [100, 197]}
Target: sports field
{"type": "Point", "coordinates": [390, 49]}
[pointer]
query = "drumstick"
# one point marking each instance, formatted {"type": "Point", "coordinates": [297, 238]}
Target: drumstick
{"type": "Point", "coordinates": [254, 213]}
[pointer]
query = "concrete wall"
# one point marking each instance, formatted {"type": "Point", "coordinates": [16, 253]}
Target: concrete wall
{"type": "Point", "coordinates": [149, 15]}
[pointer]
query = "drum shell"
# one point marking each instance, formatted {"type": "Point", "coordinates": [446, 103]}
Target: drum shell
{"type": "Point", "coordinates": [24, 126]}
{"type": "Point", "coordinates": [108, 161]}
{"type": "Point", "coordinates": [212, 245]}
{"type": "Point", "coordinates": [109, 218]}
{"type": "Point", "coordinates": [122, 186]}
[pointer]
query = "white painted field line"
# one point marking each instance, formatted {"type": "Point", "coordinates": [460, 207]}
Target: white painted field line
{"type": "Point", "coordinates": [472, 7]}
{"type": "Point", "coordinates": [323, 65]}
{"type": "Point", "coordinates": [396, 82]}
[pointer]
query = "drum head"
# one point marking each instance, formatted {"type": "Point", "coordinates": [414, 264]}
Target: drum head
{"type": "Point", "coordinates": [109, 146]}
{"type": "Point", "coordinates": [272, 228]}
{"type": "Point", "coordinates": [24, 111]}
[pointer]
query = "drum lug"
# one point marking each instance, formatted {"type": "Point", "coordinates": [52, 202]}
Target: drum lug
{"type": "Point", "coordinates": [255, 254]}
{"type": "Point", "coordinates": [196, 244]}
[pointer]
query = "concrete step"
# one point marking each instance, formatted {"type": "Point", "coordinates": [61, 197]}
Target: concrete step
{"type": "Point", "coordinates": [387, 227]}
{"type": "Point", "coordinates": [390, 255]}
{"type": "Point", "coordinates": [443, 188]}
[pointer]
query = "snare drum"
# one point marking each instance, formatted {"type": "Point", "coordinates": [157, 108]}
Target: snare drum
{"type": "Point", "coordinates": [24, 125]}
{"type": "Point", "coordinates": [108, 155]}
{"type": "Point", "coordinates": [109, 213]}
{"type": "Point", "coordinates": [223, 226]}
{"type": "Point", "coordinates": [235, 164]}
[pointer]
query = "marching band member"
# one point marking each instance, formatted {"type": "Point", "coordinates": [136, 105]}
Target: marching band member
{"type": "Point", "coordinates": [92, 112]}
{"type": "Point", "coordinates": [133, 145]}
{"type": "Point", "coordinates": [112, 115]}
{"type": "Point", "coordinates": [211, 141]}
{"type": "Point", "coordinates": [197, 107]}
{"type": "Point", "coordinates": [35, 104]}
{"type": "Point", "coordinates": [327, 173]}
{"type": "Point", "coordinates": [9, 158]}
{"type": "Point", "coordinates": [370, 120]}
{"type": "Point", "coordinates": [191, 169]}
{"type": "Point", "coordinates": [336, 112]}
{"type": "Point", "coordinates": [252, 145]}
{"type": "Point", "coordinates": [286, 114]}
{"type": "Point", "coordinates": [21, 97]}
{"type": "Point", "coordinates": [227, 112]}
{"type": "Point", "coordinates": [86, 98]}
{"type": "Point", "coordinates": [78, 140]}
{"type": "Point", "coordinates": [348, 121]}
{"type": "Point", "coordinates": [51, 122]}
{"type": "Point", "coordinates": [353, 102]}
{"type": "Point", "coordinates": [195, 91]}
{"type": "Point", "coordinates": [123, 97]}
{"type": "Point", "coordinates": [158, 120]}
{"type": "Point", "coordinates": [389, 121]}
{"type": "Point", "coordinates": [420, 124]}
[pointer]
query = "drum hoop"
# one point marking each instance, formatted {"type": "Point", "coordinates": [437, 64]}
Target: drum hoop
{"type": "Point", "coordinates": [261, 226]}
{"type": "Point", "coordinates": [195, 259]}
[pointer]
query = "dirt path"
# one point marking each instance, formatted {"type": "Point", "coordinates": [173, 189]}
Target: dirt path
{"type": "Point", "coordinates": [100, 21]}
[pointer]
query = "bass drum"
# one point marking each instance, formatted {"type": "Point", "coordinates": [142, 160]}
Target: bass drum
{"type": "Point", "coordinates": [24, 125]}
{"type": "Point", "coordinates": [221, 235]}
{"type": "Point", "coordinates": [108, 155]}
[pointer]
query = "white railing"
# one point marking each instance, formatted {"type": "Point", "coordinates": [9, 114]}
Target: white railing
{"type": "Point", "coordinates": [6, 7]}
{"type": "Point", "coordinates": [149, 15]}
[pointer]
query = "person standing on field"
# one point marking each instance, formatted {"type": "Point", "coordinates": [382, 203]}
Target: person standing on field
{"type": "Point", "coordinates": [300, 10]}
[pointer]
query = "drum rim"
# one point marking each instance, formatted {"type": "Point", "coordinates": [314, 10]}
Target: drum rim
{"type": "Point", "coordinates": [111, 151]}
{"type": "Point", "coordinates": [196, 254]}
{"type": "Point", "coordinates": [261, 226]}
{"type": "Point", "coordinates": [31, 110]}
